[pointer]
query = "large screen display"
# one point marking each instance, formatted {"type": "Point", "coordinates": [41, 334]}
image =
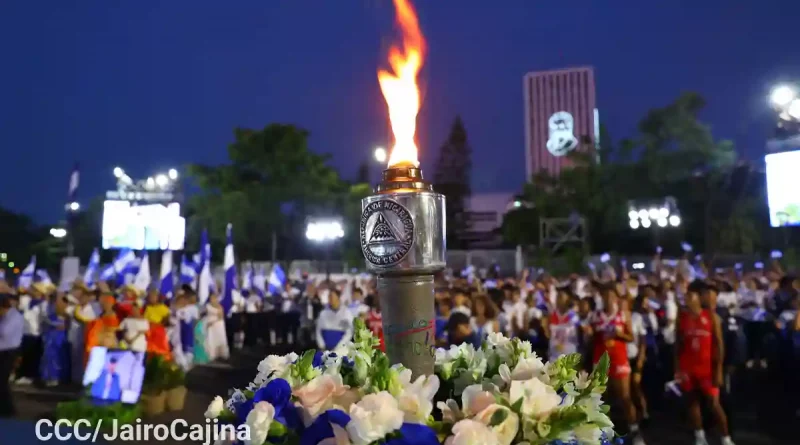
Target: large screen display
{"type": "Point", "coordinates": [114, 375]}
{"type": "Point", "coordinates": [143, 226]}
{"type": "Point", "coordinates": [783, 188]}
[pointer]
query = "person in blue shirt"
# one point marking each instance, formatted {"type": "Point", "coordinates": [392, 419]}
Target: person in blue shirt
{"type": "Point", "coordinates": [11, 323]}
{"type": "Point", "coordinates": [459, 331]}
{"type": "Point", "coordinates": [107, 386]}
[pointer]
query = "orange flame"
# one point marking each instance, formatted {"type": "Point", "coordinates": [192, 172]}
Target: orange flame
{"type": "Point", "coordinates": [400, 87]}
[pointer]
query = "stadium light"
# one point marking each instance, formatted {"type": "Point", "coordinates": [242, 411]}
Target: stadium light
{"type": "Point", "coordinates": [783, 95]}
{"type": "Point", "coordinates": [323, 231]}
{"type": "Point", "coordinates": [118, 172]}
{"type": "Point", "coordinates": [380, 155]}
{"type": "Point", "coordinates": [173, 174]}
{"type": "Point", "coordinates": [58, 232]}
{"type": "Point", "coordinates": [162, 180]}
{"type": "Point", "coordinates": [664, 215]}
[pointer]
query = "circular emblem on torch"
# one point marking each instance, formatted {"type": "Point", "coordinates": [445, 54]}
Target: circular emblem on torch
{"type": "Point", "coordinates": [387, 232]}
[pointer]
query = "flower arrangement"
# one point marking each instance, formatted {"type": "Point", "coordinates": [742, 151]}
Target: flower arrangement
{"type": "Point", "coordinates": [501, 393]}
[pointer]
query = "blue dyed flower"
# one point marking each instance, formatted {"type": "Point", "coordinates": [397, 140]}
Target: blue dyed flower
{"type": "Point", "coordinates": [322, 427]}
{"type": "Point", "coordinates": [277, 393]}
{"type": "Point", "coordinates": [317, 362]}
{"type": "Point", "coordinates": [415, 434]}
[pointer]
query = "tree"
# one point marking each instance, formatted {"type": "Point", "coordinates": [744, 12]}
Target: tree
{"type": "Point", "coordinates": [673, 154]}
{"type": "Point", "coordinates": [452, 179]}
{"type": "Point", "coordinates": [271, 185]}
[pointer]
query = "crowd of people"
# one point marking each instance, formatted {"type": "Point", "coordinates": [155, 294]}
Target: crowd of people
{"type": "Point", "coordinates": [676, 328]}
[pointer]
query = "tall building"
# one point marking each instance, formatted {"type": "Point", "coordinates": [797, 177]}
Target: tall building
{"type": "Point", "coordinates": [560, 116]}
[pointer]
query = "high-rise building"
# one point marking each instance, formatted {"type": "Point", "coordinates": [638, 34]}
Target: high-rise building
{"type": "Point", "coordinates": [560, 116]}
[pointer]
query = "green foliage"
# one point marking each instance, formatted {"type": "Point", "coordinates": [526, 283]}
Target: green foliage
{"type": "Point", "coordinates": [175, 377]}
{"type": "Point", "coordinates": [272, 183]}
{"type": "Point", "coordinates": [156, 375]}
{"type": "Point", "coordinates": [107, 414]}
{"type": "Point", "coordinates": [673, 154]}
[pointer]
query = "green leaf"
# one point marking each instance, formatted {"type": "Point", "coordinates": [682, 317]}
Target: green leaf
{"type": "Point", "coordinates": [276, 429]}
{"type": "Point", "coordinates": [498, 417]}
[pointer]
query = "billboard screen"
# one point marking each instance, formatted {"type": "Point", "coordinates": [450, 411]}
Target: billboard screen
{"type": "Point", "coordinates": [783, 188]}
{"type": "Point", "coordinates": [143, 227]}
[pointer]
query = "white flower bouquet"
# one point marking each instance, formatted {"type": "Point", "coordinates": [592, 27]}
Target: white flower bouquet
{"type": "Point", "coordinates": [499, 394]}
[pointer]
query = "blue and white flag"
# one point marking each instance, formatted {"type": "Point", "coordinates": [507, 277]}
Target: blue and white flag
{"type": "Point", "coordinates": [205, 282]}
{"type": "Point", "coordinates": [188, 272]}
{"type": "Point", "coordinates": [43, 277]}
{"type": "Point", "coordinates": [107, 274]}
{"type": "Point", "coordinates": [167, 285]}
{"type": "Point", "coordinates": [92, 269]}
{"type": "Point", "coordinates": [126, 266]}
{"type": "Point", "coordinates": [142, 280]}
{"type": "Point", "coordinates": [74, 182]}
{"type": "Point", "coordinates": [259, 281]}
{"type": "Point", "coordinates": [277, 280]}
{"type": "Point", "coordinates": [197, 259]}
{"type": "Point", "coordinates": [229, 265]}
{"type": "Point", "coordinates": [26, 277]}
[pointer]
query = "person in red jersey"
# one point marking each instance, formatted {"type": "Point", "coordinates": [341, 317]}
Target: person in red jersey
{"type": "Point", "coordinates": [374, 319]}
{"type": "Point", "coordinates": [700, 351]}
{"type": "Point", "coordinates": [610, 330]}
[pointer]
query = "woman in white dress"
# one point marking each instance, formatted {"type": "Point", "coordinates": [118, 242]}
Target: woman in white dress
{"type": "Point", "coordinates": [216, 341]}
{"type": "Point", "coordinates": [134, 328]}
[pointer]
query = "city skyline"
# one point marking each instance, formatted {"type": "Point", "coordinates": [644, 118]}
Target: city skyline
{"type": "Point", "coordinates": [149, 87]}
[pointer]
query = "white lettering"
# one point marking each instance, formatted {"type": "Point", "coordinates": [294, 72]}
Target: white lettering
{"type": "Point", "coordinates": [67, 425]}
{"type": "Point", "coordinates": [43, 423]}
{"type": "Point", "coordinates": [82, 423]}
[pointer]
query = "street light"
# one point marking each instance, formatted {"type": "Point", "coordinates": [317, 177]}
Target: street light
{"type": "Point", "coordinates": [783, 95]}
{"type": "Point", "coordinates": [173, 174]}
{"type": "Point", "coordinates": [118, 172]}
{"type": "Point", "coordinates": [380, 155]}
{"type": "Point", "coordinates": [162, 180]}
{"type": "Point", "coordinates": [58, 232]}
{"type": "Point", "coordinates": [73, 206]}
{"type": "Point", "coordinates": [325, 232]}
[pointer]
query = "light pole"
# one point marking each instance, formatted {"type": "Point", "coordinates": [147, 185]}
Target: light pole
{"type": "Point", "coordinates": [325, 232]}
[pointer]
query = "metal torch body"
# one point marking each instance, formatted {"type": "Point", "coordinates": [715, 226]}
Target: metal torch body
{"type": "Point", "coordinates": [403, 241]}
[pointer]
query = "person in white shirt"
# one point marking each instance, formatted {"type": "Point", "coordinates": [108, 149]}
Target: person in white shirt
{"type": "Point", "coordinates": [334, 325]}
{"type": "Point", "coordinates": [461, 303]}
{"type": "Point", "coordinates": [637, 352]}
{"type": "Point", "coordinates": [134, 328]}
{"type": "Point", "coordinates": [562, 327]}
{"type": "Point", "coordinates": [33, 306]}
{"type": "Point", "coordinates": [252, 317]}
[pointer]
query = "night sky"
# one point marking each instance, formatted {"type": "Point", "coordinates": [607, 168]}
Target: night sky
{"type": "Point", "coordinates": [155, 84]}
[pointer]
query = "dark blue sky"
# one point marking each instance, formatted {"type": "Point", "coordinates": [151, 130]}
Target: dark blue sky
{"type": "Point", "coordinates": [153, 84]}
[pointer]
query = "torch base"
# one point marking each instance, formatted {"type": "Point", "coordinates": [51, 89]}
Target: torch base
{"type": "Point", "coordinates": [409, 321]}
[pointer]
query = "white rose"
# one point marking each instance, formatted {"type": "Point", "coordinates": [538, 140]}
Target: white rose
{"type": "Point", "coordinates": [505, 430]}
{"type": "Point", "coordinates": [320, 394]}
{"type": "Point", "coordinates": [471, 432]}
{"type": "Point", "coordinates": [587, 433]}
{"type": "Point", "coordinates": [475, 399]}
{"type": "Point", "coordinates": [215, 408]}
{"type": "Point", "coordinates": [258, 421]}
{"type": "Point", "coordinates": [538, 399]}
{"type": "Point", "coordinates": [416, 399]}
{"type": "Point", "coordinates": [375, 416]}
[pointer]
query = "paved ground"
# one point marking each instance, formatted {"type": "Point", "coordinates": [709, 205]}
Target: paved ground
{"type": "Point", "coordinates": [215, 379]}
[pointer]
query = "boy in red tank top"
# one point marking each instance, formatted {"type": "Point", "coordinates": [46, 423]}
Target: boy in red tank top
{"type": "Point", "coordinates": [699, 350]}
{"type": "Point", "coordinates": [610, 330]}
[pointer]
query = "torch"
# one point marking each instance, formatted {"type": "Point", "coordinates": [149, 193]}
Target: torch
{"type": "Point", "coordinates": [402, 224]}
{"type": "Point", "coordinates": [402, 238]}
